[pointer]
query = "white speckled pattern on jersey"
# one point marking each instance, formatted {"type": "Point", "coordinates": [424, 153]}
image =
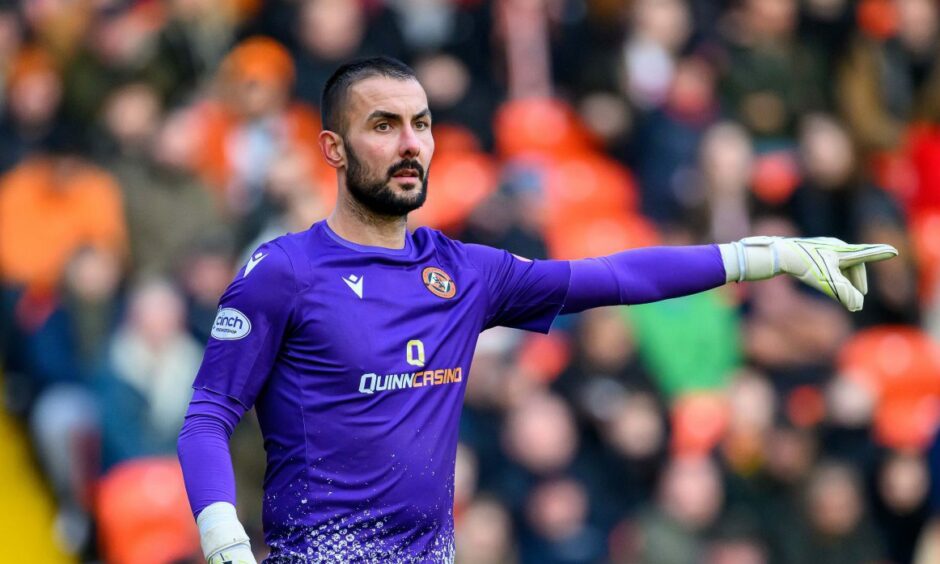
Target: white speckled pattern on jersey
{"type": "Point", "coordinates": [338, 541]}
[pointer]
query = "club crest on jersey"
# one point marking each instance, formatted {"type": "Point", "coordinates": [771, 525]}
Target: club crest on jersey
{"type": "Point", "coordinates": [230, 325]}
{"type": "Point", "coordinates": [438, 282]}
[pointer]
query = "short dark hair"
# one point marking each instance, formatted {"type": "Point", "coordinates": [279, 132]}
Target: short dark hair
{"type": "Point", "coordinates": [333, 102]}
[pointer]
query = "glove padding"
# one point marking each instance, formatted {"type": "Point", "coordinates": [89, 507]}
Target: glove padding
{"type": "Point", "coordinates": [222, 536]}
{"type": "Point", "coordinates": [830, 265]}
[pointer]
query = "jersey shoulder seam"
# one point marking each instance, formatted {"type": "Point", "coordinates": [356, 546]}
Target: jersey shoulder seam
{"type": "Point", "coordinates": [486, 286]}
{"type": "Point", "coordinates": [293, 270]}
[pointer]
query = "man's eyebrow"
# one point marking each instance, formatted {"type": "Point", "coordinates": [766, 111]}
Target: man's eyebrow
{"type": "Point", "coordinates": [391, 116]}
{"type": "Point", "coordinates": [382, 114]}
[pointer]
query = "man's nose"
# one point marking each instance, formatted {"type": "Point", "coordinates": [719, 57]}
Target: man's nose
{"type": "Point", "coordinates": [409, 145]}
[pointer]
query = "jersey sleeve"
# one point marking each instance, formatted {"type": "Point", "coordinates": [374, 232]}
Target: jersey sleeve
{"type": "Point", "coordinates": [253, 317]}
{"type": "Point", "coordinates": [523, 293]}
{"type": "Point", "coordinates": [640, 276]}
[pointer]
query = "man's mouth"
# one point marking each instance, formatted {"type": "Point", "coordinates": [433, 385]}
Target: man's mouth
{"type": "Point", "coordinates": [406, 173]}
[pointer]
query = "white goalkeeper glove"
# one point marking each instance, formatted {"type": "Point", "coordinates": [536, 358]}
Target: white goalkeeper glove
{"type": "Point", "coordinates": [222, 536]}
{"type": "Point", "coordinates": [830, 265]}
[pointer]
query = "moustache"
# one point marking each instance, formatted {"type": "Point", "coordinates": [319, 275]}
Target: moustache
{"type": "Point", "coordinates": [405, 165]}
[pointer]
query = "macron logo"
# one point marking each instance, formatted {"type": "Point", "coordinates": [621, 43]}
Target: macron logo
{"type": "Point", "coordinates": [253, 262]}
{"type": "Point", "coordinates": [355, 284]}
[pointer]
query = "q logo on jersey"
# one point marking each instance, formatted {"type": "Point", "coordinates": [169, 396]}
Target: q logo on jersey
{"type": "Point", "coordinates": [438, 282]}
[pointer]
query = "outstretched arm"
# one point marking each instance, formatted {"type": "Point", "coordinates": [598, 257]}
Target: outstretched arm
{"type": "Point", "coordinates": [645, 275]}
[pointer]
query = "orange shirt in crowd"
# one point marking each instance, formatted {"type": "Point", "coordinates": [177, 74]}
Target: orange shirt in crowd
{"type": "Point", "coordinates": [298, 123]}
{"type": "Point", "coordinates": [261, 63]}
{"type": "Point", "coordinates": [46, 216]}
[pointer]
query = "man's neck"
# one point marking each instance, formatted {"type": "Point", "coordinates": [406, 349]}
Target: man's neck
{"type": "Point", "coordinates": [354, 223]}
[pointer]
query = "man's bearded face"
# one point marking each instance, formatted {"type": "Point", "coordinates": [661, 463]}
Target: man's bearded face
{"type": "Point", "coordinates": [375, 192]}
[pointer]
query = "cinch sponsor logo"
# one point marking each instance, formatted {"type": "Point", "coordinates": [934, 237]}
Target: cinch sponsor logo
{"type": "Point", "coordinates": [230, 324]}
{"type": "Point", "coordinates": [371, 383]}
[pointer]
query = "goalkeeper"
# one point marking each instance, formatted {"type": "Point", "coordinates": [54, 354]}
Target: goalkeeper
{"type": "Point", "coordinates": [353, 340]}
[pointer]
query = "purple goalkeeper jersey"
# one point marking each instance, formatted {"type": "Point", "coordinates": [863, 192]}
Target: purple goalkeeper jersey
{"type": "Point", "coordinates": [356, 359]}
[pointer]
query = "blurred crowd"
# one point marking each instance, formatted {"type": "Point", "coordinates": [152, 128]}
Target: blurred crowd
{"type": "Point", "coordinates": [148, 146]}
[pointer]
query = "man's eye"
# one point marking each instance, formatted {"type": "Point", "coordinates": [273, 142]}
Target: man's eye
{"type": "Point", "coordinates": [422, 125]}
{"type": "Point", "coordinates": [382, 127]}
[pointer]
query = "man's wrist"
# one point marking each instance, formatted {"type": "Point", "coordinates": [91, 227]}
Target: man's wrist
{"type": "Point", "coordinates": [751, 258]}
{"type": "Point", "coordinates": [732, 255]}
{"type": "Point", "coordinates": [219, 529]}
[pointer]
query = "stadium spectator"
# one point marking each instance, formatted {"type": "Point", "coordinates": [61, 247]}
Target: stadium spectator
{"type": "Point", "coordinates": [292, 200]}
{"type": "Point", "coordinates": [193, 40]}
{"type": "Point", "coordinates": [837, 525]}
{"type": "Point", "coordinates": [666, 144]}
{"type": "Point", "coordinates": [557, 529]}
{"type": "Point", "coordinates": [633, 450]}
{"type": "Point", "coordinates": [457, 96]}
{"type": "Point", "coordinates": [540, 440]}
{"type": "Point", "coordinates": [51, 205]}
{"type": "Point", "coordinates": [485, 534]}
{"type": "Point", "coordinates": [771, 77]}
{"type": "Point", "coordinates": [331, 31]}
{"type": "Point", "coordinates": [596, 365]}
{"type": "Point", "coordinates": [688, 504]}
{"type": "Point", "coordinates": [110, 48]}
{"type": "Point", "coordinates": [901, 504]}
{"type": "Point", "coordinates": [887, 82]}
{"type": "Point", "coordinates": [726, 159]}
{"type": "Point", "coordinates": [659, 30]}
{"type": "Point", "coordinates": [62, 358]}
{"type": "Point", "coordinates": [250, 121]}
{"type": "Point", "coordinates": [168, 209]}
{"type": "Point", "coordinates": [143, 392]}
{"type": "Point", "coordinates": [33, 95]}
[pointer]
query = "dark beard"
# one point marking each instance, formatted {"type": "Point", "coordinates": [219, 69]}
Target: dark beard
{"type": "Point", "coordinates": [377, 196]}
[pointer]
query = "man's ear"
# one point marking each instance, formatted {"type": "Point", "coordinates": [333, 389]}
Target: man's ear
{"type": "Point", "coordinates": [333, 149]}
